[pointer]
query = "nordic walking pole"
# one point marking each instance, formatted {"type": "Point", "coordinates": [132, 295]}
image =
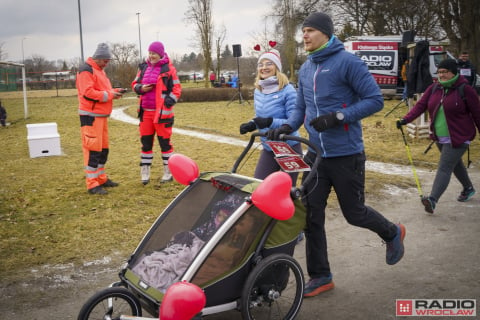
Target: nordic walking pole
{"type": "Point", "coordinates": [409, 154]}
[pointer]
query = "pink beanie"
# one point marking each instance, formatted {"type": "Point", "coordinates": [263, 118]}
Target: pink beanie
{"type": "Point", "coordinates": [274, 56]}
{"type": "Point", "coordinates": [157, 47]}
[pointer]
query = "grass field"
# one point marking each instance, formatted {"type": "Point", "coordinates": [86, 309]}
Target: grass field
{"type": "Point", "coordinates": [47, 217]}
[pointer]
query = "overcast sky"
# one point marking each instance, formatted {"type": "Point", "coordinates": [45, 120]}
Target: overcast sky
{"type": "Point", "coordinates": [50, 28]}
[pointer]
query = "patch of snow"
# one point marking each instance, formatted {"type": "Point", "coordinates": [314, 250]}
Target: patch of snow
{"type": "Point", "coordinates": [103, 261]}
{"type": "Point", "coordinates": [381, 167]}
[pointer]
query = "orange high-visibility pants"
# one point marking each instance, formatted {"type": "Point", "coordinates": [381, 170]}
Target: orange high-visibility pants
{"type": "Point", "coordinates": [148, 129]}
{"type": "Point", "coordinates": [94, 131]}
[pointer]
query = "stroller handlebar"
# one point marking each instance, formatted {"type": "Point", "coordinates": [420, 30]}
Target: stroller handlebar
{"type": "Point", "coordinates": [296, 192]}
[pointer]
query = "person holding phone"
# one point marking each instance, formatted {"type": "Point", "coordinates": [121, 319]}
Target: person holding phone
{"type": "Point", "coordinates": [159, 89]}
{"type": "Point", "coordinates": [95, 97]}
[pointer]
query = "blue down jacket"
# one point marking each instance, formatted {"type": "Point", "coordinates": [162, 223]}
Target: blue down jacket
{"type": "Point", "coordinates": [278, 105]}
{"type": "Point", "coordinates": [332, 80]}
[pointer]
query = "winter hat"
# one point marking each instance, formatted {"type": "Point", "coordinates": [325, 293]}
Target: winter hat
{"type": "Point", "coordinates": [449, 64]}
{"type": "Point", "coordinates": [102, 52]}
{"type": "Point", "coordinates": [274, 56]}
{"type": "Point", "coordinates": [320, 21]}
{"type": "Point", "coordinates": [157, 47]}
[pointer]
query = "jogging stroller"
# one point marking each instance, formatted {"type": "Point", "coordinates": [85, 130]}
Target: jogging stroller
{"type": "Point", "coordinates": [226, 233]}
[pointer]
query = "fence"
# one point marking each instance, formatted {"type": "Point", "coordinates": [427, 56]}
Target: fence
{"type": "Point", "coordinates": [11, 80]}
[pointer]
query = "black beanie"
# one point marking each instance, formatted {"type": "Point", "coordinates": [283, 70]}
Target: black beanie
{"type": "Point", "coordinates": [320, 21]}
{"type": "Point", "coordinates": [449, 64]}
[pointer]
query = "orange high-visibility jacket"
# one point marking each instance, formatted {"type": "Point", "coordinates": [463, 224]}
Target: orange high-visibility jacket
{"type": "Point", "coordinates": [95, 91]}
{"type": "Point", "coordinates": [168, 84]}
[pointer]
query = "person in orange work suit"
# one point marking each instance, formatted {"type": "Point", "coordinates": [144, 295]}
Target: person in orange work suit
{"type": "Point", "coordinates": [95, 97]}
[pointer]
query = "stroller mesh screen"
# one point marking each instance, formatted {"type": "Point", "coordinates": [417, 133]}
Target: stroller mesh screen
{"type": "Point", "coordinates": [181, 231]}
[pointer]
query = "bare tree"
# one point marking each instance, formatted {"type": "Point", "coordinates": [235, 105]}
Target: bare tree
{"type": "Point", "coordinates": [459, 20]}
{"type": "Point", "coordinates": [38, 63]}
{"type": "Point", "coordinates": [289, 15]}
{"type": "Point", "coordinates": [355, 13]}
{"type": "Point", "coordinates": [386, 17]}
{"type": "Point", "coordinates": [455, 20]}
{"type": "Point", "coordinates": [123, 67]}
{"type": "Point", "coordinates": [219, 40]}
{"type": "Point", "coordinates": [199, 13]}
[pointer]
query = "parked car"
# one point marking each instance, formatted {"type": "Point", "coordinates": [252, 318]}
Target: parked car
{"type": "Point", "coordinates": [195, 76]}
{"type": "Point", "coordinates": [27, 80]}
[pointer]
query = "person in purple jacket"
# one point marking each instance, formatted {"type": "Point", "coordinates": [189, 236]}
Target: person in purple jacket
{"type": "Point", "coordinates": [335, 92]}
{"type": "Point", "coordinates": [452, 127]}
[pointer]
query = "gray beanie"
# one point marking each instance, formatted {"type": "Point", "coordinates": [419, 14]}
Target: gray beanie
{"type": "Point", "coordinates": [102, 52]}
{"type": "Point", "coordinates": [320, 21]}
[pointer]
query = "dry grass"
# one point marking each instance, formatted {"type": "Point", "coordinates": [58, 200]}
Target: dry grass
{"type": "Point", "coordinates": [46, 216]}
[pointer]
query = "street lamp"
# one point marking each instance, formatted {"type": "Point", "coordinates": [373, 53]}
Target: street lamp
{"type": "Point", "coordinates": [139, 37]}
{"type": "Point", "coordinates": [81, 37]}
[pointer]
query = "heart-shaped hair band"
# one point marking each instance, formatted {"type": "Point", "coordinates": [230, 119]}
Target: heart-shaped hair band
{"type": "Point", "coordinates": [271, 43]}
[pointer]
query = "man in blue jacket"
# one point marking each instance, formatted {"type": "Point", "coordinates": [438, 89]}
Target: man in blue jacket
{"type": "Point", "coordinates": [335, 91]}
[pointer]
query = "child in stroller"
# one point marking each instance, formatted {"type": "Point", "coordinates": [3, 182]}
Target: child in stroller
{"type": "Point", "coordinates": [163, 267]}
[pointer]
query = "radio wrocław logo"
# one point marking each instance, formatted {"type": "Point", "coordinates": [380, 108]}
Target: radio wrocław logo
{"type": "Point", "coordinates": [436, 307]}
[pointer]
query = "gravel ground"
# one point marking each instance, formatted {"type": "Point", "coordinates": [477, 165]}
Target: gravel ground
{"type": "Point", "coordinates": [441, 262]}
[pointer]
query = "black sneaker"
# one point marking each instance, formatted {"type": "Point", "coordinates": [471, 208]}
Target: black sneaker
{"type": "Point", "coordinates": [429, 204]}
{"type": "Point", "coordinates": [110, 184]}
{"type": "Point", "coordinates": [97, 190]}
{"type": "Point", "coordinates": [395, 248]}
{"type": "Point", "coordinates": [466, 194]}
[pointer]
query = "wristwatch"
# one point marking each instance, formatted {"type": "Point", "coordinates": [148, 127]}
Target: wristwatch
{"type": "Point", "coordinates": [340, 116]}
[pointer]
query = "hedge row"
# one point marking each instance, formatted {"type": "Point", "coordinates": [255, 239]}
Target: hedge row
{"type": "Point", "coordinates": [214, 94]}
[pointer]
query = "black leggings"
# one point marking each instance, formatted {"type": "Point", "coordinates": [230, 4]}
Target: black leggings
{"type": "Point", "coordinates": [266, 164]}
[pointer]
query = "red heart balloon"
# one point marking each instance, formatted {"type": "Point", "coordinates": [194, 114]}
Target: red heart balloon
{"type": "Point", "coordinates": [257, 47]}
{"type": "Point", "coordinates": [272, 196]}
{"type": "Point", "coordinates": [182, 301]}
{"type": "Point", "coordinates": [184, 170]}
{"type": "Point", "coordinates": [272, 43]}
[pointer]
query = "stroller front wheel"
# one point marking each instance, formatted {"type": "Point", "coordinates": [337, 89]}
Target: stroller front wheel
{"type": "Point", "coordinates": [110, 303]}
{"type": "Point", "coordinates": [273, 290]}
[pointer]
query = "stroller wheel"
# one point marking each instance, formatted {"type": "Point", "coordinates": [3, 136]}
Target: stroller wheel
{"type": "Point", "coordinates": [110, 303]}
{"type": "Point", "coordinates": [273, 290]}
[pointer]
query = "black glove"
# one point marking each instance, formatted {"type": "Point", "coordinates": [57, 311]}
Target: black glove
{"type": "Point", "coordinates": [401, 123]}
{"type": "Point", "coordinates": [325, 122]}
{"type": "Point", "coordinates": [263, 123]}
{"type": "Point", "coordinates": [140, 114]}
{"type": "Point", "coordinates": [273, 134]}
{"type": "Point", "coordinates": [169, 101]}
{"type": "Point", "coordinates": [247, 127]}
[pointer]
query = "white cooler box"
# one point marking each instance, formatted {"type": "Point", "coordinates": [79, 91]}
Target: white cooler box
{"type": "Point", "coordinates": [43, 140]}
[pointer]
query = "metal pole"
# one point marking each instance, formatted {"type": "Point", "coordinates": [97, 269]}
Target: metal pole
{"type": "Point", "coordinates": [23, 55]}
{"type": "Point", "coordinates": [139, 37]}
{"type": "Point", "coordinates": [25, 107]}
{"type": "Point", "coordinates": [81, 37]}
{"type": "Point", "coordinates": [238, 81]}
